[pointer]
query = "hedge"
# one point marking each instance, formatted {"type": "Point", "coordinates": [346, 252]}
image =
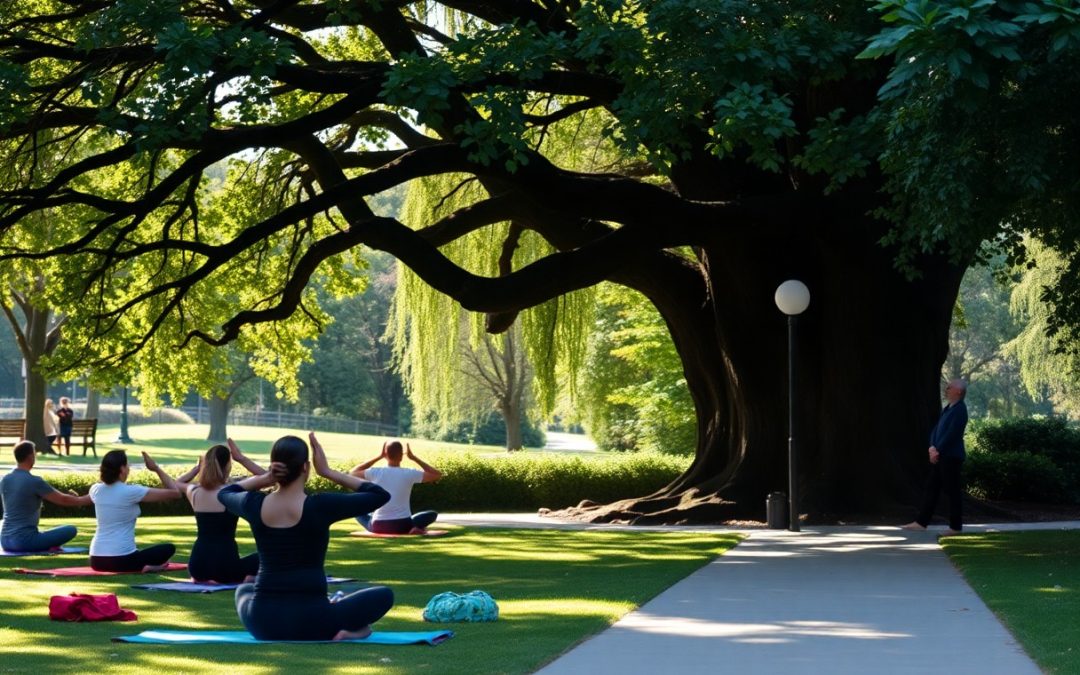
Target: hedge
{"type": "Point", "coordinates": [518, 482]}
{"type": "Point", "coordinates": [1033, 459]}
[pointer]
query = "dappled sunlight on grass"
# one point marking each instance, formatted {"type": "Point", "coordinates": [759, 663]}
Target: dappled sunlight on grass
{"type": "Point", "coordinates": [554, 588]}
{"type": "Point", "coordinates": [1030, 580]}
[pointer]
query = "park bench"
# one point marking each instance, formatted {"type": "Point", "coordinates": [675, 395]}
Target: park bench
{"type": "Point", "coordinates": [11, 431]}
{"type": "Point", "coordinates": [83, 432]}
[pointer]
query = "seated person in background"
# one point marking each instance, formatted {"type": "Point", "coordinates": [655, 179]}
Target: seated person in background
{"type": "Point", "coordinates": [21, 493]}
{"type": "Point", "coordinates": [292, 531]}
{"type": "Point", "coordinates": [396, 517]}
{"type": "Point", "coordinates": [214, 556]}
{"type": "Point", "coordinates": [116, 505]}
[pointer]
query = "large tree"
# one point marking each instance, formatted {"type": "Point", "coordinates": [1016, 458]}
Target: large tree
{"type": "Point", "coordinates": [753, 146]}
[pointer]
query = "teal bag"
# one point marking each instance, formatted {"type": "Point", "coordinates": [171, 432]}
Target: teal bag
{"type": "Point", "coordinates": [469, 607]}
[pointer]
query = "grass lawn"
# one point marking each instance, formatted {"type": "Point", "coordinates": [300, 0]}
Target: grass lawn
{"type": "Point", "coordinates": [1031, 580]}
{"type": "Point", "coordinates": [554, 589]}
{"type": "Point", "coordinates": [183, 443]}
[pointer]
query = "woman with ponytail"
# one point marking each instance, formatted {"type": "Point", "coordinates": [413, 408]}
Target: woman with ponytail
{"type": "Point", "coordinates": [214, 556]}
{"type": "Point", "coordinates": [292, 531]}
{"type": "Point", "coordinates": [116, 507]}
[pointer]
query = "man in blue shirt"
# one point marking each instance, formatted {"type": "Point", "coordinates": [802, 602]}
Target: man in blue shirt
{"type": "Point", "coordinates": [21, 493]}
{"type": "Point", "coordinates": [946, 459]}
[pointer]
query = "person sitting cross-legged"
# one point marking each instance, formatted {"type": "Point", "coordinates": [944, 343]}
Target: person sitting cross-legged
{"type": "Point", "coordinates": [396, 517]}
{"type": "Point", "coordinates": [21, 493]}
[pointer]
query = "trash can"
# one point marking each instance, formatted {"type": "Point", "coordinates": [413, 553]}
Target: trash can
{"type": "Point", "coordinates": [776, 510]}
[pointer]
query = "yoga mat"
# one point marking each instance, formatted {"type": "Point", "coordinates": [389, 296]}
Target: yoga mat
{"type": "Point", "coordinates": [197, 587]}
{"type": "Point", "coordinates": [88, 571]}
{"type": "Point", "coordinates": [51, 551]}
{"type": "Point", "coordinates": [429, 533]}
{"type": "Point", "coordinates": [183, 637]}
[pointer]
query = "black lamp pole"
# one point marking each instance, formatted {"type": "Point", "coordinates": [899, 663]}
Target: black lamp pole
{"type": "Point", "coordinates": [792, 298]}
{"type": "Point", "coordinates": [123, 437]}
{"type": "Point", "coordinates": [793, 484]}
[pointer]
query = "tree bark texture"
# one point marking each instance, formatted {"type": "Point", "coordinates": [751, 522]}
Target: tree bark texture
{"type": "Point", "coordinates": [868, 353]}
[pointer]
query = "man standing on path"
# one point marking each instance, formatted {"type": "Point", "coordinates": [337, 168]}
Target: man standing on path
{"type": "Point", "coordinates": [396, 516]}
{"type": "Point", "coordinates": [946, 459]}
{"type": "Point", "coordinates": [22, 493]}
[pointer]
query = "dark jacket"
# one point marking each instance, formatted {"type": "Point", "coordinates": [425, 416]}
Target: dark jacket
{"type": "Point", "coordinates": [948, 433]}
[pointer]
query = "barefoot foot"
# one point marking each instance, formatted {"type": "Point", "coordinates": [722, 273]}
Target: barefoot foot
{"type": "Point", "coordinates": [914, 527]}
{"type": "Point", "coordinates": [353, 634]}
{"type": "Point", "coordinates": [155, 568]}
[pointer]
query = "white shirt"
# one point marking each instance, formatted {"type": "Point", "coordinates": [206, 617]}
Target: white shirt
{"type": "Point", "coordinates": [398, 482]}
{"type": "Point", "coordinates": [117, 508]}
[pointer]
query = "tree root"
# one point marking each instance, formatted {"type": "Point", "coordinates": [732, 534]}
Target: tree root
{"type": "Point", "coordinates": [690, 507]}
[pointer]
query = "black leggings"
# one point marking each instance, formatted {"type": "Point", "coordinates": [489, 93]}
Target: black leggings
{"type": "Point", "coordinates": [133, 562]}
{"type": "Point", "coordinates": [223, 570]}
{"type": "Point", "coordinates": [290, 616]}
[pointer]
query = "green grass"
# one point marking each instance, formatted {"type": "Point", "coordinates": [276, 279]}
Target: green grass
{"type": "Point", "coordinates": [1031, 580]}
{"type": "Point", "coordinates": [554, 588]}
{"type": "Point", "coordinates": [183, 443]}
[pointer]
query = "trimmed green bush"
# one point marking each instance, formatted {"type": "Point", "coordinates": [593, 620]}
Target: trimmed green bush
{"type": "Point", "coordinates": [1015, 476]}
{"type": "Point", "coordinates": [518, 482]}
{"type": "Point", "coordinates": [1031, 459]}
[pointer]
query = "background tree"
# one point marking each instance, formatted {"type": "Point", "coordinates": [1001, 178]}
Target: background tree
{"type": "Point", "coordinates": [1049, 369]}
{"type": "Point", "coordinates": [350, 373]}
{"type": "Point", "coordinates": [633, 394]}
{"type": "Point", "coordinates": [748, 132]}
{"type": "Point", "coordinates": [982, 327]}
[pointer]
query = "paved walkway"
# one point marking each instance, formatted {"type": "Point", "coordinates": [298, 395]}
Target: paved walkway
{"type": "Point", "coordinates": [826, 600]}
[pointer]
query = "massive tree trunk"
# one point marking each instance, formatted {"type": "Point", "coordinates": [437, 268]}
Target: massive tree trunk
{"type": "Point", "coordinates": [219, 418]}
{"type": "Point", "coordinates": [868, 356]}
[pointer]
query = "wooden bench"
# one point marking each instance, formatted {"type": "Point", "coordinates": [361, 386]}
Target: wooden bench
{"type": "Point", "coordinates": [11, 432]}
{"type": "Point", "coordinates": [84, 433]}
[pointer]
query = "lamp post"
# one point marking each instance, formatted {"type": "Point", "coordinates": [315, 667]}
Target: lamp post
{"type": "Point", "coordinates": [792, 298]}
{"type": "Point", "coordinates": [123, 437]}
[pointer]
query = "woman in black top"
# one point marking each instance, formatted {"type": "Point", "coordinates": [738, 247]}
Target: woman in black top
{"type": "Point", "coordinates": [292, 531]}
{"type": "Point", "coordinates": [215, 556]}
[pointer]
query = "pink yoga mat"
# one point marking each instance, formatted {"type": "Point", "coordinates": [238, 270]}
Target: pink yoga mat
{"type": "Point", "coordinates": [429, 533]}
{"type": "Point", "coordinates": [88, 571]}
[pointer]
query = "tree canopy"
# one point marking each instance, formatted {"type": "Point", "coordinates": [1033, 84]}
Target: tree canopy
{"type": "Point", "coordinates": [697, 151]}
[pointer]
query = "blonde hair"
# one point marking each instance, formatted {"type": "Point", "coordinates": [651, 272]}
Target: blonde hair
{"type": "Point", "coordinates": [215, 468]}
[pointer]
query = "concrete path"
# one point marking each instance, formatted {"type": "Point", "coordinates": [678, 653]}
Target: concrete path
{"type": "Point", "coordinates": [826, 600]}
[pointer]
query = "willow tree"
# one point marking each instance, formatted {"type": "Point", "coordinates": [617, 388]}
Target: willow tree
{"type": "Point", "coordinates": [754, 147]}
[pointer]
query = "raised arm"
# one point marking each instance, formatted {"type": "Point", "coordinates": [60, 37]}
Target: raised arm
{"type": "Point", "coordinates": [189, 475]}
{"type": "Point", "coordinates": [431, 474]}
{"type": "Point", "coordinates": [359, 469]}
{"type": "Point", "coordinates": [322, 467]}
{"type": "Point", "coordinates": [243, 460]}
{"type": "Point", "coordinates": [166, 480]}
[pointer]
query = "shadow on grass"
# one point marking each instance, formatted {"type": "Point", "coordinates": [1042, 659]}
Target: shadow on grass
{"type": "Point", "coordinates": [554, 589]}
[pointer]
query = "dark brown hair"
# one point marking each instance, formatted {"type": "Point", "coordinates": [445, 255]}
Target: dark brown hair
{"type": "Point", "coordinates": [23, 450]}
{"type": "Point", "coordinates": [292, 453]}
{"type": "Point", "coordinates": [112, 464]}
{"type": "Point", "coordinates": [393, 450]}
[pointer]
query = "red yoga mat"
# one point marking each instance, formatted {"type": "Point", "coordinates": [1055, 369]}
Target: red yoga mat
{"type": "Point", "coordinates": [87, 571]}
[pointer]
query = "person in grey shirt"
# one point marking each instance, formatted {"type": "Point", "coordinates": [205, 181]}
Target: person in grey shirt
{"type": "Point", "coordinates": [22, 493]}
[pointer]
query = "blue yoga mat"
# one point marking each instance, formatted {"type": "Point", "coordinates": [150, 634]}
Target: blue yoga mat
{"type": "Point", "coordinates": [196, 587]}
{"type": "Point", "coordinates": [201, 637]}
{"type": "Point", "coordinates": [65, 549]}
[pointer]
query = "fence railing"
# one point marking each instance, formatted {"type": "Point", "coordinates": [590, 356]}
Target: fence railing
{"type": "Point", "coordinates": [12, 408]}
{"type": "Point", "coordinates": [280, 419]}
